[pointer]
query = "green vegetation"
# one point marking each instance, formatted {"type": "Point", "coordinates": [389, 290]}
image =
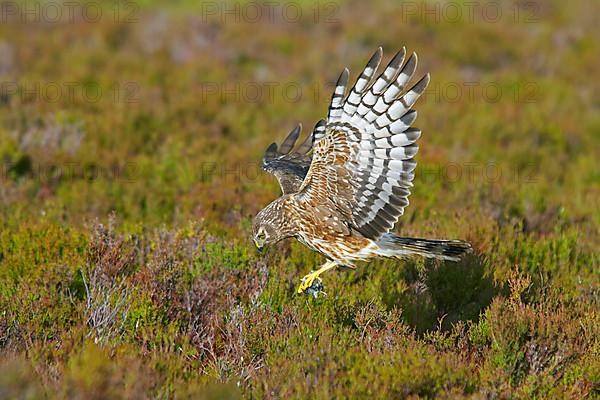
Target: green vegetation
{"type": "Point", "coordinates": [126, 265]}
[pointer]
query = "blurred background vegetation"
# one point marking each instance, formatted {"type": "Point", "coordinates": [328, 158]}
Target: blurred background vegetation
{"type": "Point", "coordinates": [130, 141]}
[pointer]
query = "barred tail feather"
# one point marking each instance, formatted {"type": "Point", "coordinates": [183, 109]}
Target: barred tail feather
{"type": "Point", "coordinates": [390, 245]}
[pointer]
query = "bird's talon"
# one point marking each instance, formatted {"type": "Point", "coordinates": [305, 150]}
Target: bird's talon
{"type": "Point", "coordinates": [311, 284]}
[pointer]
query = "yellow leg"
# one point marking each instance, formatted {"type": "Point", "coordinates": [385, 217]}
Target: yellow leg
{"type": "Point", "coordinates": [308, 281]}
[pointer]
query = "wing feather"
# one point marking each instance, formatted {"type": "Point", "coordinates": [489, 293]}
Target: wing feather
{"type": "Point", "coordinates": [363, 158]}
{"type": "Point", "coordinates": [290, 165]}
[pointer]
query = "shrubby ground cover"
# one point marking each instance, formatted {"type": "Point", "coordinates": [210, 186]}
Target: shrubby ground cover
{"type": "Point", "coordinates": [126, 265]}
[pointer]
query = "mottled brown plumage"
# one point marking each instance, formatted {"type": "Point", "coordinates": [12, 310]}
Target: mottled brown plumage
{"type": "Point", "coordinates": [343, 198]}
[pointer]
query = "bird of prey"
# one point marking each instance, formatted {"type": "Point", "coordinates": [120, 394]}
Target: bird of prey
{"type": "Point", "coordinates": [347, 184]}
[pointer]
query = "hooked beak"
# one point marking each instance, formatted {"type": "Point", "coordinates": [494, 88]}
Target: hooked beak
{"type": "Point", "coordinates": [259, 245]}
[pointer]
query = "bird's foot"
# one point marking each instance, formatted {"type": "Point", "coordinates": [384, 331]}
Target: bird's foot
{"type": "Point", "coordinates": [311, 284]}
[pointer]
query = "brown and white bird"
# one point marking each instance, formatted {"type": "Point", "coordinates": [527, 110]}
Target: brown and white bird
{"type": "Point", "coordinates": [346, 185]}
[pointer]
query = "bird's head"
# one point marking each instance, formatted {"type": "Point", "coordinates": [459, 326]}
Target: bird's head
{"type": "Point", "coordinates": [269, 226]}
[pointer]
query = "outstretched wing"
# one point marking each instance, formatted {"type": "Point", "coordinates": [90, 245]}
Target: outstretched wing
{"type": "Point", "coordinates": [290, 165]}
{"type": "Point", "coordinates": [363, 167]}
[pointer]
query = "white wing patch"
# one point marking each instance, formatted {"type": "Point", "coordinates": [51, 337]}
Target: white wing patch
{"type": "Point", "coordinates": [376, 117]}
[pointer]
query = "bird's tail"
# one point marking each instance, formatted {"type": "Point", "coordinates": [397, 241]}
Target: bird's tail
{"type": "Point", "coordinates": [390, 245]}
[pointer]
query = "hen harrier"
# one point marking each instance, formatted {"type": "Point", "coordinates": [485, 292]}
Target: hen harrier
{"type": "Point", "coordinates": [346, 185]}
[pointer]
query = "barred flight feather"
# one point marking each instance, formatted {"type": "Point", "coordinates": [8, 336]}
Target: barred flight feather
{"type": "Point", "coordinates": [375, 121]}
